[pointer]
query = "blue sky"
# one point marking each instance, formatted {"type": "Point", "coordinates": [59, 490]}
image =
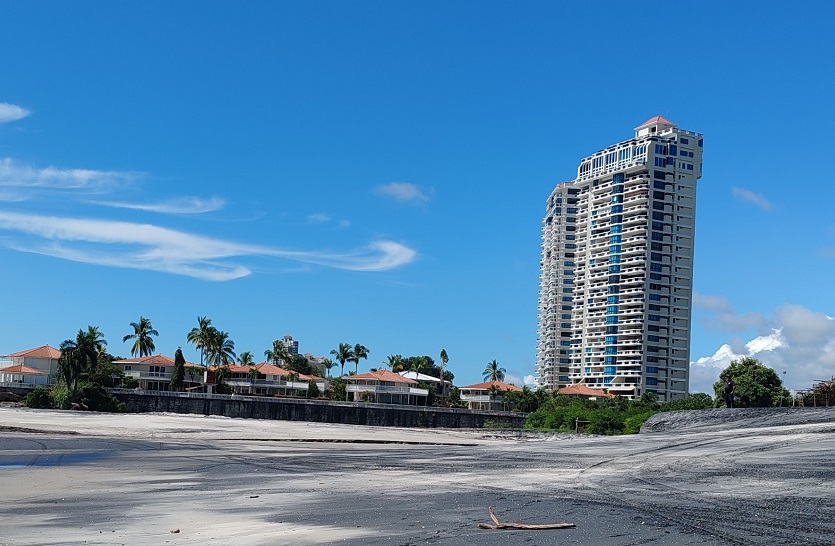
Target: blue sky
{"type": "Point", "coordinates": [376, 172]}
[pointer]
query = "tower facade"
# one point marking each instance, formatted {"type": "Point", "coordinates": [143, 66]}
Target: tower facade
{"type": "Point", "coordinates": [616, 270]}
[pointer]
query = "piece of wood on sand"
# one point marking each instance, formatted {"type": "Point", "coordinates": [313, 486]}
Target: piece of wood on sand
{"type": "Point", "coordinates": [517, 525]}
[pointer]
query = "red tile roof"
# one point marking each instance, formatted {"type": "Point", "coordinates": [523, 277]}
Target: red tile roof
{"type": "Point", "coordinates": [657, 119]}
{"type": "Point", "coordinates": [26, 370]}
{"type": "Point", "coordinates": [581, 390]}
{"type": "Point", "coordinates": [44, 351]}
{"type": "Point", "coordinates": [154, 360]}
{"type": "Point", "coordinates": [486, 386]}
{"type": "Point", "coordinates": [265, 368]}
{"type": "Point", "coordinates": [383, 375]}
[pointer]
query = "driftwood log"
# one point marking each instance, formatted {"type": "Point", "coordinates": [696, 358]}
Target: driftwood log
{"type": "Point", "coordinates": [517, 525]}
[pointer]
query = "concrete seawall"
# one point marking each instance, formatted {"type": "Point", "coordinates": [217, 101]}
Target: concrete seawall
{"type": "Point", "coordinates": [317, 411]}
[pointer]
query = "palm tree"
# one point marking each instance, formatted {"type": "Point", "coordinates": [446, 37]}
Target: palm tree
{"type": "Point", "coordinates": [142, 332]}
{"type": "Point", "coordinates": [246, 359]}
{"type": "Point", "coordinates": [200, 336]}
{"type": "Point", "coordinates": [220, 350]}
{"type": "Point", "coordinates": [343, 354]}
{"type": "Point", "coordinates": [444, 360]}
{"type": "Point", "coordinates": [278, 354]}
{"type": "Point", "coordinates": [91, 344]}
{"type": "Point", "coordinates": [493, 372]}
{"type": "Point", "coordinates": [394, 362]}
{"type": "Point", "coordinates": [253, 374]}
{"type": "Point", "coordinates": [328, 364]}
{"type": "Point", "coordinates": [359, 352]}
{"type": "Point", "coordinates": [418, 365]}
{"type": "Point", "coordinates": [71, 364]}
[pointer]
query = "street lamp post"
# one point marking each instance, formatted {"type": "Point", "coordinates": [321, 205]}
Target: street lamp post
{"type": "Point", "coordinates": [782, 388]}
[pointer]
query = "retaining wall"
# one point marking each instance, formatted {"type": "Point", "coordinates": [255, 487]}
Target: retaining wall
{"type": "Point", "coordinates": [318, 411]}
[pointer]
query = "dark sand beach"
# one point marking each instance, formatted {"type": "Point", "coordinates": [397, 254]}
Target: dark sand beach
{"type": "Point", "coordinates": [722, 478]}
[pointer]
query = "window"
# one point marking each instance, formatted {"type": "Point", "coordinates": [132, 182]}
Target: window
{"type": "Point", "coordinates": [610, 360]}
{"type": "Point", "coordinates": [613, 289]}
{"type": "Point", "coordinates": [616, 209]}
{"type": "Point", "coordinates": [660, 161]}
{"type": "Point", "coordinates": [565, 316]}
{"type": "Point", "coordinates": [684, 141]}
{"type": "Point", "coordinates": [614, 259]}
{"type": "Point", "coordinates": [567, 290]}
{"type": "Point", "coordinates": [614, 239]}
{"type": "Point", "coordinates": [661, 175]}
{"type": "Point", "coordinates": [612, 299]}
{"type": "Point", "coordinates": [611, 340]}
{"type": "Point", "coordinates": [655, 297]}
{"type": "Point", "coordinates": [657, 236]}
{"type": "Point", "coordinates": [651, 337]}
{"type": "Point", "coordinates": [653, 318]}
{"type": "Point", "coordinates": [652, 381]}
{"type": "Point", "coordinates": [655, 276]}
{"type": "Point", "coordinates": [618, 198]}
{"type": "Point", "coordinates": [568, 281]}
{"type": "Point", "coordinates": [660, 185]}
{"type": "Point", "coordinates": [655, 267]}
{"type": "Point", "coordinates": [652, 369]}
{"type": "Point", "coordinates": [616, 229]}
{"type": "Point", "coordinates": [673, 148]}
{"type": "Point", "coordinates": [614, 249]}
{"type": "Point", "coordinates": [654, 307]}
{"type": "Point", "coordinates": [564, 298]}
{"type": "Point", "coordinates": [613, 319]}
{"type": "Point", "coordinates": [611, 329]}
{"type": "Point", "coordinates": [612, 310]}
{"type": "Point", "coordinates": [655, 256]}
{"type": "Point", "coordinates": [566, 308]}
{"type": "Point", "coordinates": [616, 219]}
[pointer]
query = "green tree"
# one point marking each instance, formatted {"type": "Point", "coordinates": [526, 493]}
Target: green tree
{"type": "Point", "coordinates": [444, 359]}
{"type": "Point", "coordinates": [394, 363]}
{"type": "Point", "coordinates": [359, 352]}
{"type": "Point", "coordinates": [278, 353]}
{"type": "Point", "coordinates": [757, 386]}
{"type": "Point", "coordinates": [142, 332]}
{"type": "Point", "coordinates": [70, 365]}
{"type": "Point", "coordinates": [200, 336]}
{"type": "Point", "coordinates": [178, 376]}
{"type": "Point", "coordinates": [327, 363]}
{"type": "Point", "coordinates": [343, 354]}
{"type": "Point", "coordinates": [253, 377]}
{"type": "Point", "coordinates": [220, 350]}
{"type": "Point", "coordinates": [493, 372]}
{"type": "Point", "coordinates": [246, 359]}
{"type": "Point", "coordinates": [92, 345]}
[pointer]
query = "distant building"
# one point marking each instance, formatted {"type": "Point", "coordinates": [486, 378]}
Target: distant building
{"type": "Point", "coordinates": [153, 372]}
{"type": "Point", "coordinates": [38, 366]}
{"type": "Point", "coordinates": [616, 269]}
{"type": "Point", "coordinates": [385, 387]}
{"type": "Point", "coordinates": [291, 345]}
{"type": "Point", "coordinates": [486, 396]}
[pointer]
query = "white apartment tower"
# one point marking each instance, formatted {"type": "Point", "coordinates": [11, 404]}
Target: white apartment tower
{"type": "Point", "coordinates": [616, 272]}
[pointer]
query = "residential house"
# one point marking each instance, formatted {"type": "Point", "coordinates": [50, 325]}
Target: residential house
{"type": "Point", "coordinates": [486, 396]}
{"type": "Point", "coordinates": [23, 366]}
{"type": "Point", "coordinates": [154, 372]}
{"type": "Point", "coordinates": [579, 390]}
{"type": "Point", "coordinates": [385, 387]}
{"type": "Point", "coordinates": [270, 380]}
{"type": "Point", "coordinates": [441, 389]}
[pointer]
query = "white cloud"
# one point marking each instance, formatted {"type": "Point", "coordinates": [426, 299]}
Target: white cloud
{"type": "Point", "coordinates": [319, 218]}
{"type": "Point", "coordinates": [530, 381]}
{"type": "Point", "coordinates": [802, 344]}
{"type": "Point", "coordinates": [723, 316]}
{"type": "Point", "coordinates": [402, 191]}
{"type": "Point", "coordinates": [149, 247]}
{"type": "Point", "coordinates": [13, 174]}
{"type": "Point", "coordinates": [751, 197]}
{"type": "Point", "coordinates": [513, 380]}
{"type": "Point", "coordinates": [12, 112]}
{"type": "Point", "coordinates": [182, 205]}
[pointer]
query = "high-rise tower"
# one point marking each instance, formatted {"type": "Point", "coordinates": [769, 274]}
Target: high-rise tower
{"type": "Point", "coordinates": [616, 272]}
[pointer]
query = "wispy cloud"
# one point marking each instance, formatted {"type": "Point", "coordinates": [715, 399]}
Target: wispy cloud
{"type": "Point", "coordinates": [181, 205]}
{"type": "Point", "coordinates": [751, 197]}
{"type": "Point", "coordinates": [723, 317]}
{"type": "Point", "coordinates": [403, 192]}
{"type": "Point", "coordinates": [14, 174]}
{"type": "Point", "coordinates": [319, 218]}
{"type": "Point", "coordinates": [12, 112]}
{"type": "Point", "coordinates": [155, 248]}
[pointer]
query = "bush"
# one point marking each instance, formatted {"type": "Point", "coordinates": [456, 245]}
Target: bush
{"type": "Point", "coordinates": [95, 398]}
{"type": "Point", "coordinates": [632, 425]}
{"type": "Point", "coordinates": [61, 397]}
{"type": "Point", "coordinates": [39, 398]}
{"type": "Point", "coordinates": [130, 383]}
{"type": "Point", "coordinates": [313, 389]}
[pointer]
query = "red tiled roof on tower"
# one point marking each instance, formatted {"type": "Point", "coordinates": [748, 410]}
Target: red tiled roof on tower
{"type": "Point", "coordinates": [657, 120]}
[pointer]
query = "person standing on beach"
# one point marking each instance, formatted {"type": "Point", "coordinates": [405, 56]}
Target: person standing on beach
{"type": "Point", "coordinates": [729, 392]}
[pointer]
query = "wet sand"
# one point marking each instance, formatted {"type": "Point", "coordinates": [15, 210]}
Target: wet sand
{"type": "Point", "coordinates": [85, 478]}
